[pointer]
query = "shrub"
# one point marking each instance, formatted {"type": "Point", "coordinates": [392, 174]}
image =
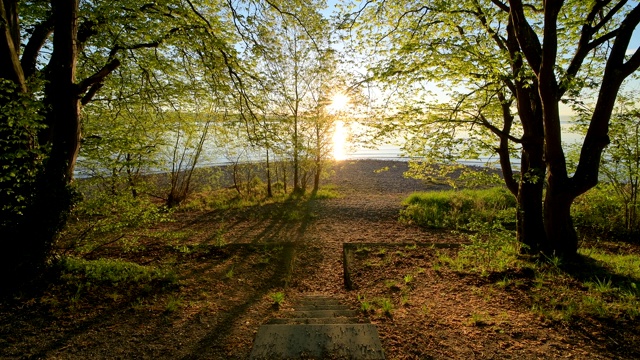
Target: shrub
{"type": "Point", "coordinates": [601, 210]}
{"type": "Point", "coordinates": [104, 217]}
{"type": "Point", "coordinates": [460, 209]}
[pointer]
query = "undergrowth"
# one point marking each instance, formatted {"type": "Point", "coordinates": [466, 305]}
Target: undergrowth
{"type": "Point", "coordinates": [460, 209]}
{"type": "Point", "coordinates": [85, 283]}
{"type": "Point", "coordinates": [598, 284]}
{"type": "Point", "coordinates": [112, 272]}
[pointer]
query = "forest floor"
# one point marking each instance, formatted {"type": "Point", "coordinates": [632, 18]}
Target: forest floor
{"type": "Point", "coordinates": [423, 309]}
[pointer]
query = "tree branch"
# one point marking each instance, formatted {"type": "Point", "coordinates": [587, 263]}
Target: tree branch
{"type": "Point", "coordinates": [99, 76]}
{"type": "Point", "coordinates": [585, 45]}
{"type": "Point", "coordinates": [10, 67]}
{"type": "Point", "coordinates": [39, 36]}
{"type": "Point", "coordinates": [527, 38]}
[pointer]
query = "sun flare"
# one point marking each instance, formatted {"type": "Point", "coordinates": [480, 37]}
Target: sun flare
{"type": "Point", "coordinates": [339, 101]}
{"type": "Point", "coordinates": [340, 134]}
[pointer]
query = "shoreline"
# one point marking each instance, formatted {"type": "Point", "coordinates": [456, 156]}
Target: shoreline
{"type": "Point", "coordinates": [352, 175]}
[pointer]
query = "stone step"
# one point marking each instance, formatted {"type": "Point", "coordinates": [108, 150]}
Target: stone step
{"type": "Point", "coordinates": [328, 301]}
{"type": "Point", "coordinates": [320, 307]}
{"type": "Point", "coordinates": [351, 341]}
{"type": "Point", "coordinates": [330, 320]}
{"type": "Point", "coordinates": [322, 313]}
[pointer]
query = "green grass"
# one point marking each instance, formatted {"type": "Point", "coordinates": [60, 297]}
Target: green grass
{"type": "Point", "coordinates": [173, 304]}
{"type": "Point", "coordinates": [277, 298]}
{"type": "Point", "coordinates": [478, 319]}
{"type": "Point", "coordinates": [601, 285]}
{"type": "Point", "coordinates": [386, 306]}
{"type": "Point", "coordinates": [460, 209]}
{"type": "Point", "coordinates": [113, 271]}
{"type": "Point", "coordinates": [622, 264]}
{"type": "Point", "coordinates": [602, 210]}
{"type": "Point", "coordinates": [326, 192]}
{"type": "Point", "coordinates": [86, 281]}
{"type": "Point", "coordinates": [365, 306]}
{"type": "Point", "coordinates": [408, 279]}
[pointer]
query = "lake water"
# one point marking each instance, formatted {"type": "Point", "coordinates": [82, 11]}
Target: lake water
{"type": "Point", "coordinates": [342, 150]}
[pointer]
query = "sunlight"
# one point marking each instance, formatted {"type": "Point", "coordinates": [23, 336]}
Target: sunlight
{"type": "Point", "coordinates": [338, 102]}
{"type": "Point", "coordinates": [340, 134]}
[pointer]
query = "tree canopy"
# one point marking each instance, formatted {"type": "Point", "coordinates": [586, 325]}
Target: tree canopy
{"type": "Point", "coordinates": [124, 65]}
{"type": "Point", "coordinates": [507, 69]}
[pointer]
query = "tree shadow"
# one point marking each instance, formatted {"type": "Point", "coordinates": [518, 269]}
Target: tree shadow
{"type": "Point", "coordinates": [585, 268]}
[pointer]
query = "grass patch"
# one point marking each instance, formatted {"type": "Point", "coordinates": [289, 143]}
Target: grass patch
{"type": "Point", "coordinates": [386, 306]}
{"type": "Point", "coordinates": [84, 283]}
{"type": "Point", "coordinates": [601, 284]}
{"type": "Point", "coordinates": [460, 209]}
{"type": "Point", "coordinates": [113, 271]}
{"type": "Point", "coordinates": [326, 192]}
{"type": "Point", "coordinates": [277, 299]}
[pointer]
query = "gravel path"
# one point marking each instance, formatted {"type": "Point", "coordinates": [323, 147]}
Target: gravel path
{"type": "Point", "coordinates": [366, 212]}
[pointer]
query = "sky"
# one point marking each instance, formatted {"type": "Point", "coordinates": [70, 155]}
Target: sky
{"type": "Point", "coordinates": [564, 109]}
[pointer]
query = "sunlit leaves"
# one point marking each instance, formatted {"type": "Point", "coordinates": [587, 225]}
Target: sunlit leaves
{"type": "Point", "coordinates": [20, 156]}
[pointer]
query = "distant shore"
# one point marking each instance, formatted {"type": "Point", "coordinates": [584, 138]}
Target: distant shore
{"type": "Point", "coordinates": [358, 175]}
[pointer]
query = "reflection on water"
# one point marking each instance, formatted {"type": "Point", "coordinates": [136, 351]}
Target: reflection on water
{"type": "Point", "coordinates": [343, 149]}
{"type": "Point", "coordinates": [340, 134]}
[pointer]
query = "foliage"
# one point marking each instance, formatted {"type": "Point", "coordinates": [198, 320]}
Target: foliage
{"type": "Point", "coordinates": [326, 192]}
{"type": "Point", "coordinates": [365, 306]}
{"type": "Point", "coordinates": [601, 211]}
{"type": "Point", "coordinates": [467, 80]}
{"type": "Point", "coordinates": [112, 271]}
{"type": "Point", "coordinates": [173, 304]}
{"type": "Point", "coordinates": [454, 175]}
{"type": "Point", "coordinates": [460, 209]}
{"type": "Point", "coordinates": [20, 155]}
{"type": "Point", "coordinates": [627, 265]}
{"type": "Point", "coordinates": [103, 217]}
{"type": "Point", "coordinates": [294, 78]}
{"type": "Point", "coordinates": [593, 293]}
{"type": "Point", "coordinates": [277, 298]}
{"type": "Point", "coordinates": [153, 46]}
{"type": "Point", "coordinates": [492, 249]}
{"type": "Point", "coordinates": [386, 306]}
{"type": "Point", "coordinates": [617, 200]}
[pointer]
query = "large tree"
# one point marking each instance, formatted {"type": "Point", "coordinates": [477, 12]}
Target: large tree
{"type": "Point", "coordinates": [510, 66]}
{"type": "Point", "coordinates": [70, 49]}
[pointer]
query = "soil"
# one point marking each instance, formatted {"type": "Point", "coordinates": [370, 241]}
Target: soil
{"type": "Point", "coordinates": [225, 293]}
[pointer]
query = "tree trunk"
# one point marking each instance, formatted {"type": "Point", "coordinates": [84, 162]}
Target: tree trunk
{"type": "Point", "coordinates": [284, 176]}
{"type": "Point", "coordinates": [269, 189]}
{"type": "Point", "coordinates": [10, 68]}
{"type": "Point", "coordinates": [64, 117]}
{"type": "Point", "coordinates": [561, 239]}
{"type": "Point", "coordinates": [316, 177]}
{"type": "Point", "coordinates": [33, 236]}
{"type": "Point", "coordinates": [55, 197]}
{"type": "Point", "coordinates": [530, 225]}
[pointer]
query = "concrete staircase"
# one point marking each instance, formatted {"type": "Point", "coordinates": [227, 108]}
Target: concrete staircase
{"type": "Point", "coordinates": [318, 328]}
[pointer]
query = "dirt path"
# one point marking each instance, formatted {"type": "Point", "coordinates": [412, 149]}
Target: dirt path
{"type": "Point", "coordinates": [366, 212]}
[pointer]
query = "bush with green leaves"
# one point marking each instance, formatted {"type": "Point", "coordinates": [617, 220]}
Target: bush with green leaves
{"type": "Point", "coordinates": [614, 206]}
{"type": "Point", "coordinates": [107, 214]}
{"type": "Point", "coordinates": [492, 249]}
{"type": "Point", "coordinates": [20, 156]}
{"type": "Point", "coordinates": [460, 209]}
{"type": "Point", "coordinates": [600, 210]}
